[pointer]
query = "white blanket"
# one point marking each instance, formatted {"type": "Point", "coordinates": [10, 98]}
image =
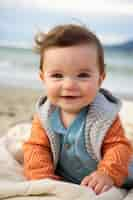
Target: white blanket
{"type": "Point", "coordinates": [14, 186]}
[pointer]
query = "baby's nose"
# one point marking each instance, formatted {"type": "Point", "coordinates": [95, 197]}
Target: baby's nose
{"type": "Point", "coordinates": [69, 83]}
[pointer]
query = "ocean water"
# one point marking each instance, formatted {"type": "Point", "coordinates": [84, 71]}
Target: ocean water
{"type": "Point", "coordinates": [20, 67]}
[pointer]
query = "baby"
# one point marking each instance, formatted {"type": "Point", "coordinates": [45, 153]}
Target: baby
{"type": "Point", "coordinates": [76, 134]}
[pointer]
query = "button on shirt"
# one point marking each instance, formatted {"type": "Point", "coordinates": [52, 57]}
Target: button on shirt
{"type": "Point", "coordinates": [74, 163]}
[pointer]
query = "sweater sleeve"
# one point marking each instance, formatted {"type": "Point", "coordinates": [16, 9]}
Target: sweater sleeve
{"type": "Point", "coordinates": [116, 151]}
{"type": "Point", "coordinates": [38, 161]}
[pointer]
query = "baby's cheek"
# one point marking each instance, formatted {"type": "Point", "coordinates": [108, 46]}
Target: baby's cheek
{"type": "Point", "coordinates": [90, 91]}
{"type": "Point", "coordinates": [53, 94]}
{"type": "Point", "coordinates": [53, 91]}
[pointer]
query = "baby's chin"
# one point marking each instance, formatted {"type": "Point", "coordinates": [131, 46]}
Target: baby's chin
{"type": "Point", "coordinates": [69, 107]}
{"type": "Point", "coordinates": [71, 110]}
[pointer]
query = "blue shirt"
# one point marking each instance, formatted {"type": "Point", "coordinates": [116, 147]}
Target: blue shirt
{"type": "Point", "coordinates": [74, 163]}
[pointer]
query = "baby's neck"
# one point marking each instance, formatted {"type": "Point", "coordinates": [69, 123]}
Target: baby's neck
{"type": "Point", "coordinates": [67, 118]}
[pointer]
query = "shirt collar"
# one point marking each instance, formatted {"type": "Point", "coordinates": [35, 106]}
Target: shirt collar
{"type": "Point", "coordinates": [57, 125]}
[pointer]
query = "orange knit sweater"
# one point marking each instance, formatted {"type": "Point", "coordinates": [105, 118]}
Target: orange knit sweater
{"type": "Point", "coordinates": [116, 151]}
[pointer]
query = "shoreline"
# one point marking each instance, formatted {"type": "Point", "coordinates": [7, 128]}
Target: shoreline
{"type": "Point", "coordinates": [18, 104]}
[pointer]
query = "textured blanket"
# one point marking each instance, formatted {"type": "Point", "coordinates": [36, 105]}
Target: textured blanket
{"type": "Point", "coordinates": [14, 186]}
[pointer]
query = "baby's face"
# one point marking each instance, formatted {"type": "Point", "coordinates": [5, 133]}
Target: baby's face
{"type": "Point", "coordinates": [71, 76]}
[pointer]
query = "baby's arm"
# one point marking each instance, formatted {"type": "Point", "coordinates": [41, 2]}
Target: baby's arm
{"type": "Point", "coordinates": [113, 168]}
{"type": "Point", "coordinates": [38, 162]}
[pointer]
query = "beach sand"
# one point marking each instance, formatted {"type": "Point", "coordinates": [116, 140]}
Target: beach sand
{"type": "Point", "coordinates": [18, 104]}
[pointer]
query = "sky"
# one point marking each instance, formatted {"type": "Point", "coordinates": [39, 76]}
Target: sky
{"type": "Point", "coordinates": [111, 20]}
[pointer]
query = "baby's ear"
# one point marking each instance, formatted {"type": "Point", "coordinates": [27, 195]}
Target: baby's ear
{"type": "Point", "coordinates": [41, 75]}
{"type": "Point", "coordinates": [102, 77]}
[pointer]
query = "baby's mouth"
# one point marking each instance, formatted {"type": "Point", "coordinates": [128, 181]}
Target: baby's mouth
{"type": "Point", "coordinates": [70, 97]}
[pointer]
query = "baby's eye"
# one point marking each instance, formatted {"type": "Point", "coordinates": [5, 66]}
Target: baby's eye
{"type": "Point", "coordinates": [83, 75]}
{"type": "Point", "coordinates": [57, 75]}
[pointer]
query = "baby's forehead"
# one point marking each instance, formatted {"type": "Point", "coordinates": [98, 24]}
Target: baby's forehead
{"type": "Point", "coordinates": [79, 55]}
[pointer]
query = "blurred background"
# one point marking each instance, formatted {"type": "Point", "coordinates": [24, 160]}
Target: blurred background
{"type": "Point", "coordinates": [20, 20]}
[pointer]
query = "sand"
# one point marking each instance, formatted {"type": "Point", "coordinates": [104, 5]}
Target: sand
{"type": "Point", "coordinates": [16, 104]}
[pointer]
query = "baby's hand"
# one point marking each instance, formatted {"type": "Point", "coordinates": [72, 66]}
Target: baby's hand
{"type": "Point", "coordinates": [98, 181]}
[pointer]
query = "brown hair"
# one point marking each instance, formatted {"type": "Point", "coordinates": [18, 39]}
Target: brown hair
{"type": "Point", "coordinates": [68, 35]}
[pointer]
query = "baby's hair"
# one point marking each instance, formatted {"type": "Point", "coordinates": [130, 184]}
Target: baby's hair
{"type": "Point", "coordinates": [65, 36]}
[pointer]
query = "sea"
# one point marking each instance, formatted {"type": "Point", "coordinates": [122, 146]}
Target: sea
{"type": "Point", "coordinates": [19, 67]}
